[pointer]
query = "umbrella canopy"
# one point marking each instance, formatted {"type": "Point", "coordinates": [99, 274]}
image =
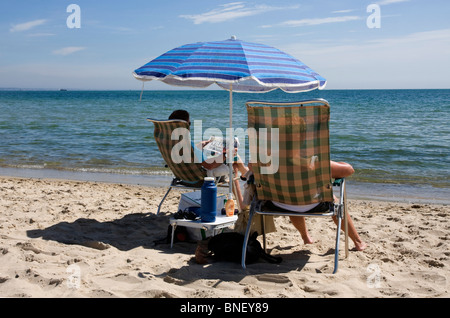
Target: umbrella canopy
{"type": "Point", "coordinates": [249, 67]}
{"type": "Point", "coordinates": [233, 65]}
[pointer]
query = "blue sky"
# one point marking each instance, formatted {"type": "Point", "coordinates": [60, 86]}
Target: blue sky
{"type": "Point", "coordinates": [411, 49]}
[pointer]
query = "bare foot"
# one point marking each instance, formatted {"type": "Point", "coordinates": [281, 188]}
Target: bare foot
{"type": "Point", "coordinates": [201, 253]}
{"type": "Point", "coordinates": [307, 240]}
{"type": "Point", "coordinates": [360, 246]}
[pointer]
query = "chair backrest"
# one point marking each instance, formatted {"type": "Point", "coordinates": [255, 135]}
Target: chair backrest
{"type": "Point", "coordinates": [186, 169]}
{"type": "Point", "coordinates": [302, 175]}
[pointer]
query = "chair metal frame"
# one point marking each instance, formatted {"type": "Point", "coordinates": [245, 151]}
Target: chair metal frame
{"type": "Point", "coordinates": [338, 209]}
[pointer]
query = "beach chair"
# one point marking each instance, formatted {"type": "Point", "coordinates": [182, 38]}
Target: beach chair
{"type": "Point", "coordinates": [297, 135]}
{"type": "Point", "coordinates": [188, 173]}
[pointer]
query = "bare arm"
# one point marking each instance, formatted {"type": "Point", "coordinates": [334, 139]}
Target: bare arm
{"type": "Point", "coordinates": [214, 162]}
{"type": "Point", "coordinates": [341, 169]}
{"type": "Point", "coordinates": [237, 187]}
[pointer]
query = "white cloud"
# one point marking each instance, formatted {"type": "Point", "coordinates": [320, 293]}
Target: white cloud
{"type": "Point", "coordinates": [343, 11]}
{"type": "Point", "coordinates": [68, 50]}
{"type": "Point", "coordinates": [437, 36]}
{"type": "Point", "coordinates": [430, 43]}
{"type": "Point", "coordinates": [318, 21]}
{"type": "Point", "coordinates": [386, 2]}
{"type": "Point", "coordinates": [41, 34]}
{"type": "Point", "coordinates": [415, 60]}
{"type": "Point", "coordinates": [27, 25]}
{"type": "Point", "coordinates": [231, 11]}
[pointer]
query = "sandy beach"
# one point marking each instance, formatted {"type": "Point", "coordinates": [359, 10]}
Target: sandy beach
{"type": "Point", "coordinates": [61, 238]}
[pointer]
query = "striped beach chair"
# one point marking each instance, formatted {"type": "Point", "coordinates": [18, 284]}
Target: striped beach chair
{"type": "Point", "coordinates": [187, 172]}
{"type": "Point", "coordinates": [172, 136]}
{"type": "Point", "coordinates": [290, 157]}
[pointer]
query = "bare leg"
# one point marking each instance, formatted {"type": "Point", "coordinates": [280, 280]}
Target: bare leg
{"type": "Point", "coordinates": [237, 188]}
{"type": "Point", "coordinates": [240, 166]}
{"type": "Point", "coordinates": [352, 233]}
{"type": "Point", "coordinates": [342, 170]}
{"type": "Point", "coordinates": [300, 225]}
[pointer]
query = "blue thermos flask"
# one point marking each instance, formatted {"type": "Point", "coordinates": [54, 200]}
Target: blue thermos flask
{"type": "Point", "coordinates": [209, 200]}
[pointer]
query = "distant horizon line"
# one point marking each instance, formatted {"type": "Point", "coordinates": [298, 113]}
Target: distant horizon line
{"type": "Point", "coordinates": [191, 89]}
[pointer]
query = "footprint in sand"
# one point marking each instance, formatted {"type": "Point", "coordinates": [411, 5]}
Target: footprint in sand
{"type": "Point", "coordinates": [28, 247]}
{"type": "Point", "coordinates": [147, 275]}
{"type": "Point", "coordinates": [272, 278]}
{"type": "Point", "coordinates": [173, 280]}
{"type": "Point", "coordinates": [96, 245]}
{"type": "Point", "coordinates": [156, 293]}
{"type": "Point", "coordinates": [36, 278]}
{"type": "Point", "coordinates": [434, 263]}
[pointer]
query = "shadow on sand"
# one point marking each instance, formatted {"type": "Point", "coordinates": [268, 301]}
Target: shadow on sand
{"type": "Point", "coordinates": [143, 229]}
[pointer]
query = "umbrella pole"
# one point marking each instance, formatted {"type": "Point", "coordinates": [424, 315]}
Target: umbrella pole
{"type": "Point", "coordinates": [231, 141]}
{"type": "Point", "coordinates": [142, 91]}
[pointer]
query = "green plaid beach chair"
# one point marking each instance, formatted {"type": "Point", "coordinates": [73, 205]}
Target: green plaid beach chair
{"type": "Point", "coordinates": [290, 157]}
{"type": "Point", "coordinates": [188, 172]}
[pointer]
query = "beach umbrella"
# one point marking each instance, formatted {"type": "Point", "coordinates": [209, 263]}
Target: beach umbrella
{"type": "Point", "coordinates": [234, 65]}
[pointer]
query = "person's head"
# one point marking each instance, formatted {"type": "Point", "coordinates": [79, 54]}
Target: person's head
{"type": "Point", "coordinates": [180, 114]}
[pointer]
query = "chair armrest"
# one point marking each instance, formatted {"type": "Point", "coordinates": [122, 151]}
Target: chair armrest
{"type": "Point", "coordinates": [338, 182]}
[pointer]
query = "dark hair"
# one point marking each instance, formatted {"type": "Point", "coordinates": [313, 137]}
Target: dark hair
{"type": "Point", "coordinates": [180, 114]}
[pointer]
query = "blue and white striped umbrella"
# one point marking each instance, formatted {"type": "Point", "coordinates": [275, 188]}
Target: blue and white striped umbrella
{"type": "Point", "coordinates": [233, 65]}
{"type": "Point", "coordinates": [249, 67]}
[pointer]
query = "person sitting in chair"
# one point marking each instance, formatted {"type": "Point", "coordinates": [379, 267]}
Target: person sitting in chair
{"type": "Point", "coordinates": [215, 166]}
{"type": "Point", "coordinates": [296, 127]}
{"type": "Point", "coordinates": [338, 170]}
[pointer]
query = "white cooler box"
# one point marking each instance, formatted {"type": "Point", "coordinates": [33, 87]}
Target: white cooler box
{"type": "Point", "coordinates": [194, 199]}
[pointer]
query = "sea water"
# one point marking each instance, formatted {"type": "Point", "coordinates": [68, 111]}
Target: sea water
{"type": "Point", "coordinates": [394, 138]}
